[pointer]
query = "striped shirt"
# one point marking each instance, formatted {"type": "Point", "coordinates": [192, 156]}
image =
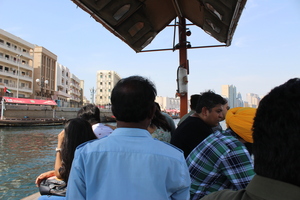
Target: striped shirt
{"type": "Point", "coordinates": [219, 162]}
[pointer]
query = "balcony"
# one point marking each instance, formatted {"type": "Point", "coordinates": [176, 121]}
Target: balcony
{"type": "Point", "coordinates": [15, 51]}
{"type": "Point", "coordinates": [10, 61]}
{"type": "Point", "coordinates": [12, 74]}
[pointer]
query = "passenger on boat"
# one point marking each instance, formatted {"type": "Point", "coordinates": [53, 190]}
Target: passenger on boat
{"type": "Point", "coordinates": [193, 100]}
{"type": "Point", "coordinates": [276, 134]}
{"type": "Point", "coordinates": [193, 130]}
{"type": "Point", "coordinates": [224, 110]}
{"type": "Point", "coordinates": [159, 128]}
{"type": "Point", "coordinates": [76, 132]}
{"type": "Point", "coordinates": [222, 161]}
{"type": "Point", "coordinates": [129, 164]}
{"type": "Point", "coordinates": [91, 113]}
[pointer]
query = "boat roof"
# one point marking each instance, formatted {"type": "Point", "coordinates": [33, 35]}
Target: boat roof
{"type": "Point", "coordinates": [137, 22]}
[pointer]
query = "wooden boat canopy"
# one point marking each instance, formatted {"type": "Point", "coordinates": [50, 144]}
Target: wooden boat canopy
{"type": "Point", "coordinates": [137, 22]}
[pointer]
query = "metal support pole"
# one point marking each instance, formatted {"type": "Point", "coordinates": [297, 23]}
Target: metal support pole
{"type": "Point", "coordinates": [183, 62]}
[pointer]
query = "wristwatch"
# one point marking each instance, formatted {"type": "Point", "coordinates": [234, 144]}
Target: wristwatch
{"type": "Point", "coordinates": [57, 149]}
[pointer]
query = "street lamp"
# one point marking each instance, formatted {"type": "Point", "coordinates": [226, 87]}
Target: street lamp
{"type": "Point", "coordinates": [19, 59]}
{"type": "Point", "coordinates": [42, 83]}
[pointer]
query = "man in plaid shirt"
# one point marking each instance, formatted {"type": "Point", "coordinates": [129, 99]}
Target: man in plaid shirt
{"type": "Point", "coordinates": [222, 161]}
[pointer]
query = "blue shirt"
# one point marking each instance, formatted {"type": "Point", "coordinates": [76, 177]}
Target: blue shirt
{"type": "Point", "coordinates": [128, 164]}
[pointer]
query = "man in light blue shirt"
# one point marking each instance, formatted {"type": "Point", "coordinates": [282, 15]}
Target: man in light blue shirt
{"type": "Point", "coordinates": [129, 164]}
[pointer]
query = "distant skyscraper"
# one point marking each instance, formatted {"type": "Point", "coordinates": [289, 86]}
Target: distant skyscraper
{"type": "Point", "coordinates": [253, 100]}
{"type": "Point", "coordinates": [239, 100]}
{"type": "Point", "coordinates": [229, 92]}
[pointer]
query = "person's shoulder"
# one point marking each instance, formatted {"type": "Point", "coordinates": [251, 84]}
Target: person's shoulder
{"type": "Point", "coordinates": [81, 146]}
{"type": "Point", "coordinates": [167, 149]}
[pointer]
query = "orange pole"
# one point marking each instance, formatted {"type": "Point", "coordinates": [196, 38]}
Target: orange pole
{"type": "Point", "coordinates": [183, 62]}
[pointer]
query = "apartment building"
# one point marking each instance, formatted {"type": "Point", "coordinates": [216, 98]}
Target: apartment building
{"type": "Point", "coordinates": [16, 66]}
{"type": "Point", "coordinates": [75, 91]}
{"type": "Point", "coordinates": [105, 82]}
{"type": "Point", "coordinates": [62, 85]}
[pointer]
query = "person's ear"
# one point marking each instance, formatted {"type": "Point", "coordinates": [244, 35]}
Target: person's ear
{"type": "Point", "coordinates": [204, 111]}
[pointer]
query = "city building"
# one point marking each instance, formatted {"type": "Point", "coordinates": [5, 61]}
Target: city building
{"type": "Point", "coordinates": [16, 66]}
{"type": "Point", "coordinates": [44, 73]}
{"type": "Point", "coordinates": [62, 85]}
{"type": "Point", "coordinates": [229, 92]}
{"type": "Point", "coordinates": [252, 100]}
{"type": "Point", "coordinates": [75, 91]}
{"type": "Point", "coordinates": [105, 82]}
{"type": "Point", "coordinates": [32, 71]}
{"type": "Point", "coordinates": [168, 104]}
{"type": "Point", "coordinates": [239, 100]}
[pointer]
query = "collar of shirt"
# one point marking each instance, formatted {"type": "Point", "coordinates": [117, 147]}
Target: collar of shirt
{"type": "Point", "coordinates": [132, 132]}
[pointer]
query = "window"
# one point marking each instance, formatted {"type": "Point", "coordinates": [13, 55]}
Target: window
{"type": "Point", "coordinates": [5, 81]}
{"type": "Point", "coordinates": [108, 83]}
{"type": "Point", "coordinates": [1, 41]}
{"type": "Point", "coordinates": [100, 83]}
{"type": "Point", "coordinates": [0, 80]}
{"type": "Point", "coordinates": [100, 90]}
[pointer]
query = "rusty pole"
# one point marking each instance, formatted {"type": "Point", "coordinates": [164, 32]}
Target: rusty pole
{"type": "Point", "coordinates": [183, 62]}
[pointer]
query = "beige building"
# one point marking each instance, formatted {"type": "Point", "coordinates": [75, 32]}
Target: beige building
{"type": "Point", "coordinates": [106, 80]}
{"type": "Point", "coordinates": [44, 73]}
{"type": "Point", "coordinates": [16, 66]}
{"type": "Point", "coordinates": [75, 91]}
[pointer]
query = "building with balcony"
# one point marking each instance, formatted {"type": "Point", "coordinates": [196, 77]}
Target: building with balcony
{"type": "Point", "coordinates": [75, 92]}
{"type": "Point", "coordinates": [62, 85]}
{"type": "Point", "coordinates": [16, 65]}
{"type": "Point", "coordinates": [105, 82]}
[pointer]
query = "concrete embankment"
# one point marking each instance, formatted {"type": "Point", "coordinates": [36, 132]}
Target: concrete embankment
{"type": "Point", "coordinates": [31, 111]}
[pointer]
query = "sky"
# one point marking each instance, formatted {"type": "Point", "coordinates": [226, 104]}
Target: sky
{"type": "Point", "coordinates": [265, 50]}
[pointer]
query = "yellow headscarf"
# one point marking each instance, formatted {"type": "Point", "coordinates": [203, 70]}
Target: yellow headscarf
{"type": "Point", "coordinates": [240, 120]}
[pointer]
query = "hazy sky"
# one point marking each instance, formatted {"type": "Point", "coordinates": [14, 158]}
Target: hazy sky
{"type": "Point", "coordinates": [264, 53]}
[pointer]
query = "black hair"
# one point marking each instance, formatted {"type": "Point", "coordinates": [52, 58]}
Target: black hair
{"type": "Point", "coordinates": [90, 113]}
{"type": "Point", "coordinates": [159, 120]}
{"type": "Point", "coordinates": [276, 134]}
{"type": "Point", "coordinates": [77, 131]}
{"type": "Point", "coordinates": [133, 99]}
{"type": "Point", "coordinates": [194, 100]}
{"type": "Point", "coordinates": [209, 100]}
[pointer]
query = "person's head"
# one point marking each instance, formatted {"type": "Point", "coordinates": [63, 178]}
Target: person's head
{"type": "Point", "coordinates": [194, 100]}
{"type": "Point", "coordinates": [90, 113]}
{"type": "Point", "coordinates": [210, 107]}
{"type": "Point", "coordinates": [76, 132]}
{"type": "Point", "coordinates": [240, 121]}
{"type": "Point", "coordinates": [133, 99]}
{"type": "Point", "coordinates": [159, 120]}
{"type": "Point", "coordinates": [276, 134]}
{"type": "Point", "coordinates": [225, 108]}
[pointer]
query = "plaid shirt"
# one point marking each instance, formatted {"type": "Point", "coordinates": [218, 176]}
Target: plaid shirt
{"type": "Point", "coordinates": [219, 162]}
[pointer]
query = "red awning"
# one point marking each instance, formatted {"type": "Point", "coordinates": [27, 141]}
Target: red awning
{"type": "Point", "coordinates": [30, 101]}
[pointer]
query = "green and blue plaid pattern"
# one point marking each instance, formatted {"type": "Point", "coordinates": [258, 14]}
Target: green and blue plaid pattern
{"type": "Point", "coordinates": [219, 162]}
